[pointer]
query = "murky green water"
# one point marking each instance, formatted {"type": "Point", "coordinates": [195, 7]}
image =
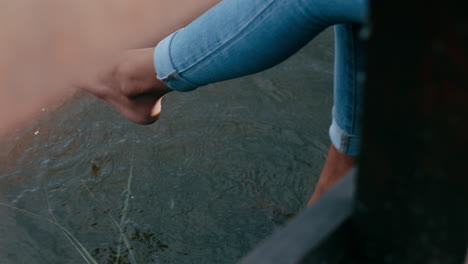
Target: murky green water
{"type": "Point", "coordinates": [223, 168]}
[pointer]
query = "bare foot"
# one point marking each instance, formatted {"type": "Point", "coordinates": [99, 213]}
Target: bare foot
{"type": "Point", "coordinates": [128, 82]}
{"type": "Point", "coordinates": [335, 168]}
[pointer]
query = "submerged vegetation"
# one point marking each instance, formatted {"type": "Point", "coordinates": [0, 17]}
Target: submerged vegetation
{"type": "Point", "coordinates": [125, 252]}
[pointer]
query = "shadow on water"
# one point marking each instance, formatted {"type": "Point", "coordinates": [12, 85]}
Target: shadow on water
{"type": "Point", "coordinates": [223, 168]}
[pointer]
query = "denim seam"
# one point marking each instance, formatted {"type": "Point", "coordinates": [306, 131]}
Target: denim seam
{"type": "Point", "coordinates": [171, 75]}
{"type": "Point", "coordinates": [353, 128]}
{"type": "Point", "coordinates": [175, 74]}
{"type": "Point", "coordinates": [228, 40]}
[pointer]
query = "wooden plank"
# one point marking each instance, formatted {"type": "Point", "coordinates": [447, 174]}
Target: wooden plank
{"type": "Point", "coordinates": [413, 180]}
{"type": "Point", "coordinates": [309, 229]}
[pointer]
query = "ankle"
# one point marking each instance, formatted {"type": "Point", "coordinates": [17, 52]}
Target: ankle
{"type": "Point", "coordinates": [336, 166]}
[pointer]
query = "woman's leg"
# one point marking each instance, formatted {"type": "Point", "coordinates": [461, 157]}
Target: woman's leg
{"type": "Point", "coordinates": [348, 101]}
{"type": "Point", "coordinates": [241, 37]}
{"type": "Point", "coordinates": [46, 45]}
{"type": "Point", "coordinates": [336, 166]}
{"type": "Point", "coordinates": [348, 95]}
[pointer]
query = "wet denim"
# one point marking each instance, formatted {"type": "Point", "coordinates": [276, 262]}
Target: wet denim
{"type": "Point", "coordinates": [241, 37]}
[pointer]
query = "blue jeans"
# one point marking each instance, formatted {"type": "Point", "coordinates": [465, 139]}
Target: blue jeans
{"type": "Point", "coordinates": [241, 37]}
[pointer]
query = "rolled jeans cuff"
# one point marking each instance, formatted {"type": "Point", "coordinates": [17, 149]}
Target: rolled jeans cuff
{"type": "Point", "coordinates": [165, 70]}
{"type": "Point", "coordinates": [343, 141]}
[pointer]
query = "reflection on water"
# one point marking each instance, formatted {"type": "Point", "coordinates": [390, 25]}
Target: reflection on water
{"type": "Point", "coordinates": [223, 168]}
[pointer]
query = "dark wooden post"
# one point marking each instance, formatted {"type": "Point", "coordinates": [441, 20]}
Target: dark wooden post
{"type": "Point", "coordinates": [413, 180]}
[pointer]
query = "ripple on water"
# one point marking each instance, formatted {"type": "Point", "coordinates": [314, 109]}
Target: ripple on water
{"type": "Point", "coordinates": [222, 169]}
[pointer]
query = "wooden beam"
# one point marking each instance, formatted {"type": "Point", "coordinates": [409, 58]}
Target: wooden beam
{"type": "Point", "coordinates": [413, 180]}
{"type": "Point", "coordinates": [309, 229]}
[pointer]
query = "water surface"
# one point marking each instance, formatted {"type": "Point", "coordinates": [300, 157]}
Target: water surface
{"type": "Point", "coordinates": [223, 168]}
